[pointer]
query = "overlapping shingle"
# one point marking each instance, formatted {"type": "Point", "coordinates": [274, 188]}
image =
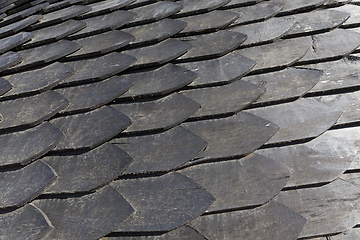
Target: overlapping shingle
{"type": "Point", "coordinates": [222, 100]}
{"type": "Point", "coordinates": [208, 22]}
{"type": "Point", "coordinates": [97, 214]}
{"type": "Point", "coordinates": [93, 95]}
{"type": "Point", "coordinates": [30, 111]}
{"type": "Point", "coordinates": [211, 45]}
{"type": "Point", "coordinates": [265, 32]}
{"type": "Point", "coordinates": [37, 80]}
{"type": "Point", "coordinates": [285, 84]}
{"type": "Point", "coordinates": [157, 115]}
{"type": "Point", "coordinates": [98, 68]}
{"type": "Point", "coordinates": [44, 54]}
{"type": "Point", "coordinates": [301, 119]}
{"type": "Point", "coordinates": [244, 133]}
{"type": "Point", "coordinates": [317, 206]}
{"type": "Point", "coordinates": [153, 12]}
{"type": "Point", "coordinates": [172, 200]}
{"type": "Point", "coordinates": [272, 220]}
{"type": "Point", "coordinates": [26, 222]}
{"type": "Point", "coordinates": [317, 21]}
{"type": "Point", "coordinates": [160, 152]}
{"type": "Point", "coordinates": [158, 81]}
{"type": "Point", "coordinates": [260, 179]}
{"type": "Point", "coordinates": [221, 70]}
{"type": "Point", "coordinates": [35, 142]}
{"type": "Point", "coordinates": [100, 44]}
{"type": "Point", "coordinates": [272, 56]}
{"type": "Point", "coordinates": [103, 23]}
{"type": "Point", "coordinates": [154, 32]}
{"type": "Point", "coordinates": [209, 146]}
{"type": "Point", "coordinates": [103, 164]}
{"type": "Point", "coordinates": [22, 185]}
{"type": "Point", "coordinates": [54, 33]}
{"type": "Point", "coordinates": [60, 16]}
{"type": "Point", "coordinates": [88, 130]}
{"type": "Point", "coordinates": [13, 41]}
{"type": "Point", "coordinates": [158, 54]}
{"type": "Point", "coordinates": [257, 13]}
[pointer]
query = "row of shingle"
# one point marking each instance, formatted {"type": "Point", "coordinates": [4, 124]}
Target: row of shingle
{"type": "Point", "coordinates": [218, 151]}
{"type": "Point", "coordinates": [48, 207]}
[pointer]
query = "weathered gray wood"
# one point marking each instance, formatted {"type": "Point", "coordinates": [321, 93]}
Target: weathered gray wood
{"type": "Point", "coordinates": [312, 22]}
{"type": "Point", "coordinates": [54, 33]}
{"type": "Point", "coordinates": [87, 171]}
{"type": "Point", "coordinates": [9, 59]}
{"type": "Point", "coordinates": [300, 5]}
{"type": "Point", "coordinates": [218, 71]}
{"type": "Point", "coordinates": [184, 232]}
{"type": "Point", "coordinates": [44, 54]}
{"type": "Point", "coordinates": [272, 221]}
{"type": "Point", "coordinates": [162, 203]}
{"type": "Point", "coordinates": [353, 11]}
{"type": "Point", "coordinates": [27, 222]}
{"type": "Point", "coordinates": [159, 81]}
{"type": "Point", "coordinates": [15, 27]}
{"type": "Point", "coordinates": [25, 146]}
{"type": "Point", "coordinates": [153, 12]}
{"type": "Point", "coordinates": [339, 74]}
{"type": "Point", "coordinates": [257, 13]}
{"type": "Point", "coordinates": [157, 54]}
{"type": "Point", "coordinates": [347, 103]}
{"type": "Point", "coordinates": [211, 45]}
{"type": "Point", "coordinates": [105, 7]}
{"type": "Point", "coordinates": [161, 152]}
{"type": "Point", "coordinates": [89, 130]}
{"type": "Point", "coordinates": [160, 114]}
{"type": "Point", "coordinates": [250, 181]}
{"type": "Point", "coordinates": [21, 186]}
{"type": "Point", "coordinates": [208, 22]}
{"type": "Point", "coordinates": [154, 32]}
{"type": "Point", "coordinates": [103, 23]}
{"type": "Point", "coordinates": [278, 54]}
{"type": "Point", "coordinates": [4, 86]}
{"type": "Point", "coordinates": [321, 160]}
{"type": "Point", "coordinates": [100, 44]}
{"type": "Point", "coordinates": [328, 209]}
{"type": "Point", "coordinates": [337, 43]}
{"type": "Point", "coordinates": [30, 111]}
{"type": "Point", "coordinates": [301, 119]}
{"type": "Point", "coordinates": [225, 99]}
{"type": "Point", "coordinates": [285, 84]}
{"type": "Point", "coordinates": [60, 16]}
{"type": "Point", "coordinates": [265, 32]}
{"type": "Point", "coordinates": [93, 95]}
{"type": "Point", "coordinates": [200, 6]}
{"type": "Point", "coordinates": [98, 68]}
{"type": "Point", "coordinates": [38, 80]}
{"type": "Point", "coordinates": [97, 214]}
{"type": "Point", "coordinates": [244, 134]}
{"type": "Point", "coordinates": [13, 41]}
